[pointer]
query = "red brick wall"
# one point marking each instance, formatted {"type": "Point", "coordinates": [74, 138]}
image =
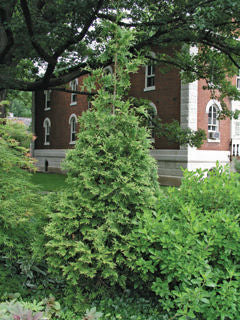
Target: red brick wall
{"type": "Point", "coordinates": [166, 97]}
{"type": "Point", "coordinates": [59, 115]}
{"type": "Point", "coordinates": [225, 125]}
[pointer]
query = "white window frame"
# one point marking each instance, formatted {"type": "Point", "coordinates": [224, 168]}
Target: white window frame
{"type": "Point", "coordinates": [73, 86]}
{"type": "Point", "coordinates": [238, 80]}
{"type": "Point", "coordinates": [47, 94]}
{"type": "Point", "coordinates": [235, 125]}
{"type": "Point", "coordinates": [151, 127]}
{"type": "Point", "coordinates": [47, 127]}
{"type": "Point", "coordinates": [151, 67]}
{"type": "Point", "coordinates": [73, 129]}
{"type": "Point", "coordinates": [213, 103]}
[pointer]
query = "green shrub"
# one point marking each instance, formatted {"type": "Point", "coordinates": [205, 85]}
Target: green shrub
{"type": "Point", "coordinates": [21, 211]}
{"type": "Point", "coordinates": [237, 165]}
{"type": "Point", "coordinates": [192, 248]}
{"type": "Point", "coordinates": [129, 306]}
{"type": "Point", "coordinates": [111, 181]}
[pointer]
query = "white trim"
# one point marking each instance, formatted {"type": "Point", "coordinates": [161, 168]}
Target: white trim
{"type": "Point", "coordinates": [47, 94]}
{"type": "Point", "coordinates": [150, 88]}
{"type": "Point", "coordinates": [46, 120]}
{"type": "Point", "coordinates": [151, 127]}
{"type": "Point", "coordinates": [213, 140]}
{"type": "Point", "coordinates": [73, 116]}
{"type": "Point", "coordinates": [217, 105]}
{"type": "Point", "coordinates": [189, 104]}
{"type": "Point", "coordinates": [212, 102]}
{"type": "Point", "coordinates": [206, 159]}
{"type": "Point", "coordinates": [72, 86]}
{"type": "Point", "coordinates": [171, 162]}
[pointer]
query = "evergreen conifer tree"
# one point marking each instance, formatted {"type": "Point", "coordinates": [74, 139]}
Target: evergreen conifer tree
{"type": "Point", "coordinates": [112, 180]}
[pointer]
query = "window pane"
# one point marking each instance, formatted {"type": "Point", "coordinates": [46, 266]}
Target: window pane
{"type": "Point", "coordinates": [149, 70]}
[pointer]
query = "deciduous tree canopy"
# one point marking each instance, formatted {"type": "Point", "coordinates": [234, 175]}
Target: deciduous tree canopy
{"type": "Point", "coordinates": [51, 42]}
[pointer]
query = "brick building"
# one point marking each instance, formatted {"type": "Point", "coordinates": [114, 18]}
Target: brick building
{"type": "Point", "coordinates": [55, 123]}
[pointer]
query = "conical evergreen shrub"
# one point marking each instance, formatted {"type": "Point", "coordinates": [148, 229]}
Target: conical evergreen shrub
{"type": "Point", "coordinates": [112, 180]}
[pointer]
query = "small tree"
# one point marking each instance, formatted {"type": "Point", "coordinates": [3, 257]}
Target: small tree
{"type": "Point", "coordinates": [112, 180]}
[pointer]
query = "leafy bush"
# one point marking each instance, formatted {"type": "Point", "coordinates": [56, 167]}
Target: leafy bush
{"type": "Point", "coordinates": [191, 249]}
{"type": "Point", "coordinates": [21, 210]}
{"type": "Point", "coordinates": [237, 165]}
{"type": "Point", "coordinates": [128, 305]}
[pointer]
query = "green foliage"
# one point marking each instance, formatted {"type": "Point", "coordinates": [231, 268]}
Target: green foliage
{"type": "Point", "coordinates": [111, 181]}
{"type": "Point", "coordinates": [172, 130]}
{"type": "Point", "coordinates": [129, 306]}
{"type": "Point", "coordinates": [192, 247]}
{"type": "Point", "coordinates": [20, 103]}
{"type": "Point", "coordinates": [21, 210]}
{"type": "Point", "coordinates": [237, 165]}
{"type": "Point", "coordinates": [175, 133]}
{"type": "Point", "coordinates": [62, 35]}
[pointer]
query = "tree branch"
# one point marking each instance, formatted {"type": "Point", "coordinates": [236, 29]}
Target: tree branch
{"type": "Point", "coordinates": [27, 16]}
{"type": "Point", "coordinates": [82, 34]}
{"type": "Point", "coordinates": [73, 91]}
{"type": "Point", "coordinates": [5, 31]}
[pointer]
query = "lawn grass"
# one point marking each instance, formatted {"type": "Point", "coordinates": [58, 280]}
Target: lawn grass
{"type": "Point", "coordinates": [50, 182]}
{"type": "Point", "coordinates": [53, 182]}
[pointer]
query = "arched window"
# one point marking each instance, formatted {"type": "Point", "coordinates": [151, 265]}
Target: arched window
{"type": "Point", "coordinates": [73, 86]}
{"type": "Point", "coordinates": [73, 125]}
{"type": "Point", "coordinates": [152, 112]}
{"type": "Point", "coordinates": [47, 126]}
{"type": "Point", "coordinates": [212, 110]}
{"type": "Point", "coordinates": [150, 75]}
{"type": "Point", "coordinates": [212, 118]}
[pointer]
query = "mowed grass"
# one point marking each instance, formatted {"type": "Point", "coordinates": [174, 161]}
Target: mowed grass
{"type": "Point", "coordinates": [51, 182]}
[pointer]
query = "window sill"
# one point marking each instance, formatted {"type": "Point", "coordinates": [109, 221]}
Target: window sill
{"type": "Point", "coordinates": [72, 142]}
{"type": "Point", "coordinates": [46, 143]}
{"type": "Point", "coordinates": [213, 140]}
{"type": "Point", "coordinates": [73, 103]}
{"type": "Point", "coordinates": [149, 89]}
{"type": "Point", "coordinates": [46, 109]}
